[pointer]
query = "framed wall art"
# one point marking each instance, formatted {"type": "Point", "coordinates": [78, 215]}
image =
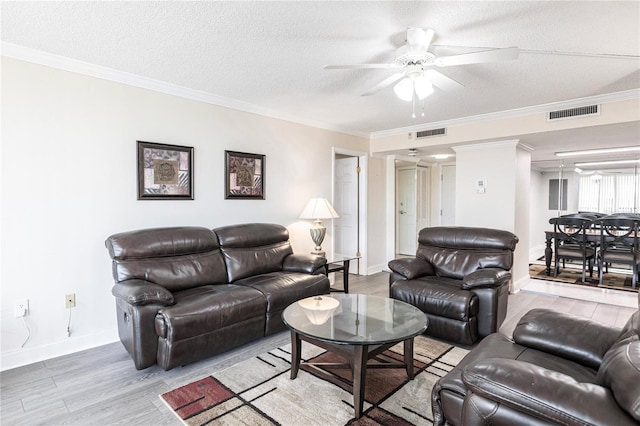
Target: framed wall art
{"type": "Point", "coordinates": [244, 175]}
{"type": "Point", "coordinates": [165, 172]}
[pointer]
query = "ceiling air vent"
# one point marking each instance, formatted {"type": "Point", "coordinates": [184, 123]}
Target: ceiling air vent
{"type": "Point", "coordinates": [432, 132]}
{"type": "Point", "coordinates": [574, 112]}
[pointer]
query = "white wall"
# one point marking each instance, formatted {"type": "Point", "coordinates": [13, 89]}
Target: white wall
{"type": "Point", "coordinates": [522, 212]}
{"type": "Point", "coordinates": [495, 163]}
{"type": "Point", "coordinates": [539, 214]}
{"type": "Point", "coordinates": [504, 205]}
{"type": "Point", "coordinates": [377, 203]}
{"type": "Point", "coordinates": [69, 181]}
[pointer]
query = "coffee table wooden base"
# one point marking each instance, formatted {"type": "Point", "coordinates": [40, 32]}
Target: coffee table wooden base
{"type": "Point", "coordinates": [357, 356]}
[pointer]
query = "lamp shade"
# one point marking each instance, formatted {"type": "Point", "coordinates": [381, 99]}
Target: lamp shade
{"type": "Point", "coordinates": [318, 208]}
{"type": "Point", "coordinates": [422, 86]}
{"type": "Point", "coordinates": [404, 89]}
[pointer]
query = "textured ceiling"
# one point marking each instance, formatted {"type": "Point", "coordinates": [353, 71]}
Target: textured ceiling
{"type": "Point", "coordinates": [271, 54]}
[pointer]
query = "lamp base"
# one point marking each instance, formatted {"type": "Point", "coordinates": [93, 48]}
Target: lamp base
{"type": "Point", "coordinates": [317, 235]}
{"type": "Point", "coordinates": [319, 253]}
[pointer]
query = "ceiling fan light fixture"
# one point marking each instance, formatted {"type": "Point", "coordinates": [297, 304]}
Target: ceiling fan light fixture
{"type": "Point", "coordinates": [423, 86]}
{"type": "Point", "coordinates": [404, 89]}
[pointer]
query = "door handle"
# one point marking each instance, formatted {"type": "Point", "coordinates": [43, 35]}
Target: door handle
{"type": "Point", "coordinates": [402, 212]}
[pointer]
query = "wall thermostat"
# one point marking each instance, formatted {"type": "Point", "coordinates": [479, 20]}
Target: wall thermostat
{"type": "Point", "coordinates": [481, 186]}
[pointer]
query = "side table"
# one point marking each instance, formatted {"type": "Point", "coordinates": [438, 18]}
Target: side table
{"type": "Point", "coordinates": [339, 263]}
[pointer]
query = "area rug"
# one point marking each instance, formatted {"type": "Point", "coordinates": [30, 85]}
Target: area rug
{"type": "Point", "coordinates": [259, 391]}
{"type": "Point", "coordinates": [572, 275]}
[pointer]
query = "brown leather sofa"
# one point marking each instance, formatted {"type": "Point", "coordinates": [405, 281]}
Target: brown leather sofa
{"type": "Point", "coordinates": [187, 293]}
{"type": "Point", "coordinates": [459, 278]}
{"type": "Point", "coordinates": [557, 369]}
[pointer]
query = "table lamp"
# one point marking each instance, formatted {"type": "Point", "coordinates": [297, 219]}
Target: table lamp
{"type": "Point", "coordinates": [318, 209]}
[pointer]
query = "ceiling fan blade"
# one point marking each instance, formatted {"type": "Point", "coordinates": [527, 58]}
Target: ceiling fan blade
{"type": "Point", "coordinates": [428, 38]}
{"type": "Point", "coordinates": [361, 66]}
{"type": "Point", "coordinates": [505, 54]}
{"type": "Point", "coordinates": [384, 83]}
{"type": "Point", "coordinates": [441, 81]}
{"type": "Point", "coordinates": [418, 40]}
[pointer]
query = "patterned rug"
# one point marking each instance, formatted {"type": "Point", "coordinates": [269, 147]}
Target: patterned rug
{"type": "Point", "coordinates": [258, 391]}
{"type": "Point", "coordinates": [572, 275]}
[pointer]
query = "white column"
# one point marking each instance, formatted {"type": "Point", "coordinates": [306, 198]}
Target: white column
{"type": "Point", "coordinates": [492, 191]}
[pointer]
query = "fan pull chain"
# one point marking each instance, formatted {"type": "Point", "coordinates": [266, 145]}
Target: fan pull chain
{"type": "Point", "coordinates": [423, 108]}
{"type": "Point", "coordinates": [413, 100]}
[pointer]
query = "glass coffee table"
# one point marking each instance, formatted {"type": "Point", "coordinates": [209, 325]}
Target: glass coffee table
{"type": "Point", "coordinates": [357, 327]}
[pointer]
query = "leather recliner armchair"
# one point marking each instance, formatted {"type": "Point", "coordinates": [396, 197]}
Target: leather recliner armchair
{"type": "Point", "coordinates": [557, 369]}
{"type": "Point", "coordinates": [459, 278]}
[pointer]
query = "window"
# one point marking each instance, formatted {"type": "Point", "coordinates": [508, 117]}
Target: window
{"type": "Point", "coordinates": [554, 191]}
{"type": "Point", "coordinates": [619, 193]}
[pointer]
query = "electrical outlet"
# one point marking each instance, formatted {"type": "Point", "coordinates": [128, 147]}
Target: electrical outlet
{"type": "Point", "coordinates": [70, 300]}
{"type": "Point", "coordinates": [21, 308]}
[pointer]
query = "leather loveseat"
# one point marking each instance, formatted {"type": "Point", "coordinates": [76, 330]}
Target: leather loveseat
{"type": "Point", "coordinates": [187, 293]}
{"type": "Point", "coordinates": [459, 278]}
{"type": "Point", "coordinates": [557, 369]}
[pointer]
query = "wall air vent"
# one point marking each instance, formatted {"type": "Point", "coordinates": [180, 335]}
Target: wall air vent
{"type": "Point", "coordinates": [574, 112]}
{"type": "Point", "coordinates": [430, 133]}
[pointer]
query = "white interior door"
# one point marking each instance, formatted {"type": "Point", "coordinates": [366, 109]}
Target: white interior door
{"type": "Point", "coordinates": [423, 191]}
{"type": "Point", "coordinates": [406, 211]}
{"type": "Point", "coordinates": [345, 228]}
{"type": "Point", "coordinates": [448, 196]}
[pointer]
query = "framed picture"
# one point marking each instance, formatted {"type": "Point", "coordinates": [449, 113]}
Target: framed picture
{"type": "Point", "coordinates": [244, 175]}
{"type": "Point", "coordinates": [165, 172]}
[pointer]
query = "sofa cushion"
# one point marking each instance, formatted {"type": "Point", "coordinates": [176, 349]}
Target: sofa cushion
{"type": "Point", "coordinates": [177, 258]}
{"type": "Point", "coordinates": [283, 288]}
{"type": "Point", "coordinates": [448, 392]}
{"type": "Point", "coordinates": [457, 251]}
{"type": "Point", "coordinates": [458, 263]}
{"type": "Point", "coordinates": [199, 310]}
{"type": "Point", "coordinates": [161, 242]}
{"type": "Point", "coordinates": [437, 296]}
{"type": "Point", "coordinates": [253, 249]}
{"type": "Point", "coordinates": [565, 335]}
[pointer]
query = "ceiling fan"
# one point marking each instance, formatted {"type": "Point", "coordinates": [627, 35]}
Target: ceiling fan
{"type": "Point", "coordinates": [418, 76]}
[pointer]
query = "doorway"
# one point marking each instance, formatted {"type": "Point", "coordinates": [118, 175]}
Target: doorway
{"type": "Point", "coordinates": [413, 188]}
{"type": "Point", "coordinates": [349, 199]}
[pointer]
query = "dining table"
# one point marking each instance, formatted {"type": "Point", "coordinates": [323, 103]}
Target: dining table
{"type": "Point", "coordinates": [592, 235]}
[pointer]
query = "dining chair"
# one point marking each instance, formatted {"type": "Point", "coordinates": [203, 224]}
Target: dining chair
{"type": "Point", "coordinates": [571, 243]}
{"type": "Point", "coordinates": [619, 243]}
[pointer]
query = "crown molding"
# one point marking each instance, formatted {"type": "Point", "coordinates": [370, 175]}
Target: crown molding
{"type": "Point", "coordinates": [27, 54]}
{"type": "Point", "coordinates": [39, 57]}
{"type": "Point", "coordinates": [518, 112]}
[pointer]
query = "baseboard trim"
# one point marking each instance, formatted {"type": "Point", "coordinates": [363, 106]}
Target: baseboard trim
{"type": "Point", "coordinates": [520, 284]}
{"type": "Point", "coordinates": [26, 356]}
{"type": "Point", "coordinates": [375, 269]}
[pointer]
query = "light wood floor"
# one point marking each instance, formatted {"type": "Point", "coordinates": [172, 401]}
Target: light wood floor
{"type": "Point", "coordinates": [100, 386]}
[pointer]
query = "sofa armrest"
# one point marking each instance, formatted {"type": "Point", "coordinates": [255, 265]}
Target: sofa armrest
{"type": "Point", "coordinates": [304, 263]}
{"type": "Point", "coordinates": [411, 268]}
{"type": "Point", "coordinates": [542, 393]}
{"type": "Point", "coordinates": [141, 292]}
{"type": "Point", "coordinates": [568, 336]}
{"type": "Point", "coordinates": [486, 278]}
